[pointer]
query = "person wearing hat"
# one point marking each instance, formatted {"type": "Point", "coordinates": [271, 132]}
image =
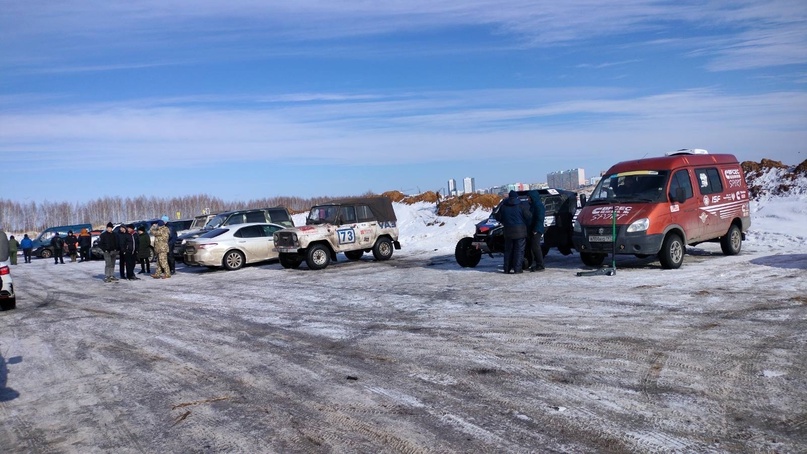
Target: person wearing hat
{"type": "Point", "coordinates": [161, 233]}
{"type": "Point", "coordinates": [515, 216]}
{"type": "Point", "coordinates": [108, 242]}
{"type": "Point", "coordinates": [144, 250]}
{"type": "Point", "coordinates": [84, 245]}
{"type": "Point", "coordinates": [57, 243]}
{"type": "Point", "coordinates": [129, 252]}
{"type": "Point", "coordinates": [27, 245]}
{"type": "Point", "coordinates": [72, 245]}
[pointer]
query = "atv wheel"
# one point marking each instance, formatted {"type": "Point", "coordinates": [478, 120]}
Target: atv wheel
{"type": "Point", "coordinates": [732, 241]}
{"type": "Point", "coordinates": [318, 257]}
{"type": "Point", "coordinates": [590, 259]}
{"type": "Point", "coordinates": [466, 254]}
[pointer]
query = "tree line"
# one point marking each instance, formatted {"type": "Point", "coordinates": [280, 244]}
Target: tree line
{"type": "Point", "coordinates": [32, 217]}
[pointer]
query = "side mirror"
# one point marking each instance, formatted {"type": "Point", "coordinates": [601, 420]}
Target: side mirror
{"type": "Point", "coordinates": [583, 200]}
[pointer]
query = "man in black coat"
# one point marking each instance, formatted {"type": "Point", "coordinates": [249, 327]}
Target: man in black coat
{"type": "Point", "coordinates": [129, 252]}
{"type": "Point", "coordinates": [57, 243]}
{"type": "Point", "coordinates": [515, 217]}
{"type": "Point", "coordinates": [108, 242]}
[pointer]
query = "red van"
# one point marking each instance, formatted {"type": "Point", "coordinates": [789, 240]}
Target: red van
{"type": "Point", "coordinates": [662, 204]}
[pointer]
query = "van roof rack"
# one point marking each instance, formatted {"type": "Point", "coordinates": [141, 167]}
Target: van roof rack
{"type": "Point", "coordinates": [687, 151]}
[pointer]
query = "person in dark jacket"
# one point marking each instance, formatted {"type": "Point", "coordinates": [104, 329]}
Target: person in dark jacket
{"type": "Point", "coordinates": [121, 259]}
{"type": "Point", "coordinates": [129, 252]}
{"type": "Point", "coordinates": [72, 245]}
{"type": "Point", "coordinates": [84, 245]}
{"type": "Point", "coordinates": [538, 211]}
{"type": "Point", "coordinates": [172, 240]}
{"type": "Point", "coordinates": [27, 245]}
{"type": "Point", "coordinates": [144, 250]}
{"type": "Point", "coordinates": [57, 243]}
{"type": "Point", "coordinates": [516, 218]}
{"type": "Point", "coordinates": [108, 242]}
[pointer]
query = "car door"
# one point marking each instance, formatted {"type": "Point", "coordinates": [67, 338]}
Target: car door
{"type": "Point", "coordinates": [269, 236]}
{"type": "Point", "coordinates": [685, 212]}
{"type": "Point", "coordinates": [367, 227]}
{"type": "Point", "coordinates": [251, 241]}
{"type": "Point", "coordinates": [347, 234]}
{"type": "Point", "coordinates": [710, 187]}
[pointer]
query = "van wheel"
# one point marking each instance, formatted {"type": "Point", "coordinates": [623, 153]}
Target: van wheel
{"type": "Point", "coordinates": [354, 255]}
{"type": "Point", "coordinates": [290, 261]}
{"type": "Point", "coordinates": [672, 252]}
{"type": "Point", "coordinates": [46, 253]}
{"type": "Point", "coordinates": [233, 260]}
{"type": "Point", "coordinates": [382, 249]}
{"type": "Point", "coordinates": [152, 255]}
{"type": "Point", "coordinates": [732, 241]}
{"type": "Point", "coordinates": [466, 255]}
{"type": "Point", "coordinates": [318, 257]}
{"type": "Point", "coordinates": [590, 259]}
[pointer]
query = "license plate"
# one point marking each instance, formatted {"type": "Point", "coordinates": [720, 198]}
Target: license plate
{"type": "Point", "coordinates": [600, 238]}
{"type": "Point", "coordinates": [286, 249]}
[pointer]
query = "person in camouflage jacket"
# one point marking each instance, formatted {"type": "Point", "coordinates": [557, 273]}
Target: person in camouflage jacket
{"type": "Point", "coordinates": [161, 233]}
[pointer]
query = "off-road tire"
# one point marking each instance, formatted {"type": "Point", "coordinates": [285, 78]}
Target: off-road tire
{"type": "Point", "coordinates": [732, 242]}
{"type": "Point", "coordinates": [354, 255]}
{"type": "Point", "coordinates": [318, 257]}
{"type": "Point", "coordinates": [672, 252]}
{"type": "Point", "coordinates": [7, 305]}
{"type": "Point", "coordinates": [233, 260]}
{"type": "Point", "coordinates": [466, 255]}
{"type": "Point", "coordinates": [383, 249]}
{"type": "Point", "coordinates": [594, 260]}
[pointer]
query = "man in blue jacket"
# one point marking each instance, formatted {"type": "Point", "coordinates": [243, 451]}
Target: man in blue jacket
{"type": "Point", "coordinates": [538, 211]}
{"type": "Point", "coordinates": [516, 218]}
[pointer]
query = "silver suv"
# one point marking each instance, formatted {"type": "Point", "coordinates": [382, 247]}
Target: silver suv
{"type": "Point", "coordinates": [351, 226]}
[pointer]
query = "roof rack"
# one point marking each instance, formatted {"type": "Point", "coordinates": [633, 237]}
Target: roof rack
{"type": "Point", "coordinates": [687, 151]}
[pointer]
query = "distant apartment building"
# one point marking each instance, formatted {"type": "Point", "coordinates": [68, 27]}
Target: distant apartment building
{"type": "Point", "coordinates": [468, 185]}
{"type": "Point", "coordinates": [567, 179]}
{"type": "Point", "coordinates": [452, 187]}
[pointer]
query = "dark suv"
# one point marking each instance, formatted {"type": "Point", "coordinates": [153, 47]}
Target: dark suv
{"type": "Point", "coordinates": [489, 236]}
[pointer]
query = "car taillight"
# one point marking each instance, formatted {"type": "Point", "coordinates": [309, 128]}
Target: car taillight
{"type": "Point", "coordinates": [4, 270]}
{"type": "Point", "coordinates": [205, 245]}
{"type": "Point", "coordinates": [483, 229]}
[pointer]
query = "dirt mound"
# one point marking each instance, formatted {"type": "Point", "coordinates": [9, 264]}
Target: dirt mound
{"type": "Point", "coordinates": [467, 203]}
{"type": "Point", "coordinates": [790, 179]}
{"type": "Point", "coordinates": [428, 196]}
{"type": "Point", "coordinates": [395, 196]}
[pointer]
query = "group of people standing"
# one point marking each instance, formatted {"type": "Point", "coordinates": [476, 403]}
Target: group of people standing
{"type": "Point", "coordinates": [523, 224]}
{"type": "Point", "coordinates": [132, 246]}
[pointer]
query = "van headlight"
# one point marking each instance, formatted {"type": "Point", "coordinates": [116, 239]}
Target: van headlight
{"type": "Point", "coordinates": [639, 225]}
{"type": "Point", "coordinates": [576, 226]}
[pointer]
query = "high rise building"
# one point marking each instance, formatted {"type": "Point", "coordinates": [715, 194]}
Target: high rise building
{"type": "Point", "coordinates": [452, 187]}
{"type": "Point", "coordinates": [469, 185]}
{"type": "Point", "coordinates": [567, 179]}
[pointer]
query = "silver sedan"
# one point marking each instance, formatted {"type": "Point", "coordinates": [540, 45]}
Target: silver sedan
{"type": "Point", "coordinates": [233, 246]}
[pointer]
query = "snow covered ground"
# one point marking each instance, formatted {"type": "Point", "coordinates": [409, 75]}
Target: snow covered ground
{"type": "Point", "coordinates": [417, 354]}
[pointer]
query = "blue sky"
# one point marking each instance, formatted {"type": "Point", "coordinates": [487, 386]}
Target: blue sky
{"type": "Point", "coordinates": [251, 98]}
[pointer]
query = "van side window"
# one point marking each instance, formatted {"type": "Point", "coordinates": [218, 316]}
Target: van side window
{"type": "Point", "coordinates": [681, 180]}
{"type": "Point", "coordinates": [364, 213]}
{"type": "Point", "coordinates": [709, 181]}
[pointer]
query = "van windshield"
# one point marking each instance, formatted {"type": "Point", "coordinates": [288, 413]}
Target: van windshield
{"type": "Point", "coordinates": [215, 222]}
{"type": "Point", "coordinates": [643, 186]}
